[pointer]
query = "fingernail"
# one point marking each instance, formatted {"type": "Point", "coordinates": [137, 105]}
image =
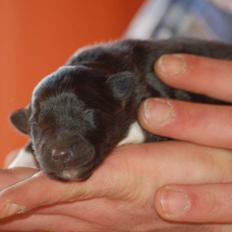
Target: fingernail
{"type": "Point", "coordinates": [158, 111]}
{"type": "Point", "coordinates": [174, 202]}
{"type": "Point", "coordinates": [171, 65]}
{"type": "Point", "coordinates": [11, 209]}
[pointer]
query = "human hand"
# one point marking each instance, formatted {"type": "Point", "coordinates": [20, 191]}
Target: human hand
{"type": "Point", "coordinates": [119, 196]}
{"type": "Point", "coordinates": [198, 123]}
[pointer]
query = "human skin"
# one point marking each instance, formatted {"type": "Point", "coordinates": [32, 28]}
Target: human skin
{"type": "Point", "coordinates": [203, 124]}
{"type": "Point", "coordinates": [118, 197]}
{"type": "Point", "coordinates": [121, 194]}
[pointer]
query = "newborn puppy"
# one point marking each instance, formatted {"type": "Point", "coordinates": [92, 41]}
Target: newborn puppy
{"type": "Point", "coordinates": [79, 113]}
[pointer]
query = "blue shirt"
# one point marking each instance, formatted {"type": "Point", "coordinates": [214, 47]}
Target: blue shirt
{"type": "Point", "coordinates": [161, 19]}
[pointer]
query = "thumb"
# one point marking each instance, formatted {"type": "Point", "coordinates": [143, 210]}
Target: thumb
{"type": "Point", "coordinates": [210, 203]}
{"type": "Point", "coordinates": [40, 190]}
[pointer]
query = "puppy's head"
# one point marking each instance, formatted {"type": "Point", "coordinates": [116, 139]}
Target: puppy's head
{"type": "Point", "coordinates": [75, 119]}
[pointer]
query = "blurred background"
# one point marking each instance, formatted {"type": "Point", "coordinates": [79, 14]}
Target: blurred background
{"type": "Point", "coordinates": [36, 37]}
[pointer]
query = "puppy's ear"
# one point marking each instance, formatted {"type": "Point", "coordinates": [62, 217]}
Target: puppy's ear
{"type": "Point", "coordinates": [121, 84]}
{"type": "Point", "coordinates": [20, 119]}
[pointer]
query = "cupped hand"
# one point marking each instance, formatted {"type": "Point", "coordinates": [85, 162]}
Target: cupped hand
{"type": "Point", "coordinates": [119, 196]}
{"type": "Point", "coordinates": [198, 123]}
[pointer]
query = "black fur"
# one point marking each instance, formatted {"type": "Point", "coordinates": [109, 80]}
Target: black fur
{"type": "Point", "coordinates": [79, 113]}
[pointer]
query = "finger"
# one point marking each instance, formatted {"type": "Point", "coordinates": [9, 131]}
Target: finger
{"type": "Point", "coordinates": [52, 223]}
{"type": "Point", "coordinates": [201, 75]}
{"type": "Point", "coordinates": [33, 192]}
{"type": "Point", "coordinates": [118, 177]}
{"type": "Point", "coordinates": [209, 203]}
{"type": "Point", "coordinates": [36, 191]}
{"type": "Point", "coordinates": [198, 123]}
{"type": "Point", "coordinates": [11, 176]}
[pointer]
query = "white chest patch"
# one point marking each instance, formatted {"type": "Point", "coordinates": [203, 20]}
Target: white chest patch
{"type": "Point", "coordinates": [135, 135]}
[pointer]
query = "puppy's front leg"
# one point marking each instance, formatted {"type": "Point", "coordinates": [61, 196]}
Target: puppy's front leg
{"type": "Point", "coordinates": [24, 158]}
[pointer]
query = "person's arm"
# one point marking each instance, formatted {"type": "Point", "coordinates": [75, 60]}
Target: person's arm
{"type": "Point", "coordinates": [203, 124]}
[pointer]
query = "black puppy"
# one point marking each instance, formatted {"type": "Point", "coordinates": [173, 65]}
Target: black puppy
{"type": "Point", "coordinates": [79, 113]}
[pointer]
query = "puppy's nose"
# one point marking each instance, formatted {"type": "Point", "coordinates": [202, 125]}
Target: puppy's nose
{"type": "Point", "coordinates": [61, 155]}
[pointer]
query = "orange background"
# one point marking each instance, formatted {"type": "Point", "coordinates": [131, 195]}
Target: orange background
{"type": "Point", "coordinates": [37, 36]}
